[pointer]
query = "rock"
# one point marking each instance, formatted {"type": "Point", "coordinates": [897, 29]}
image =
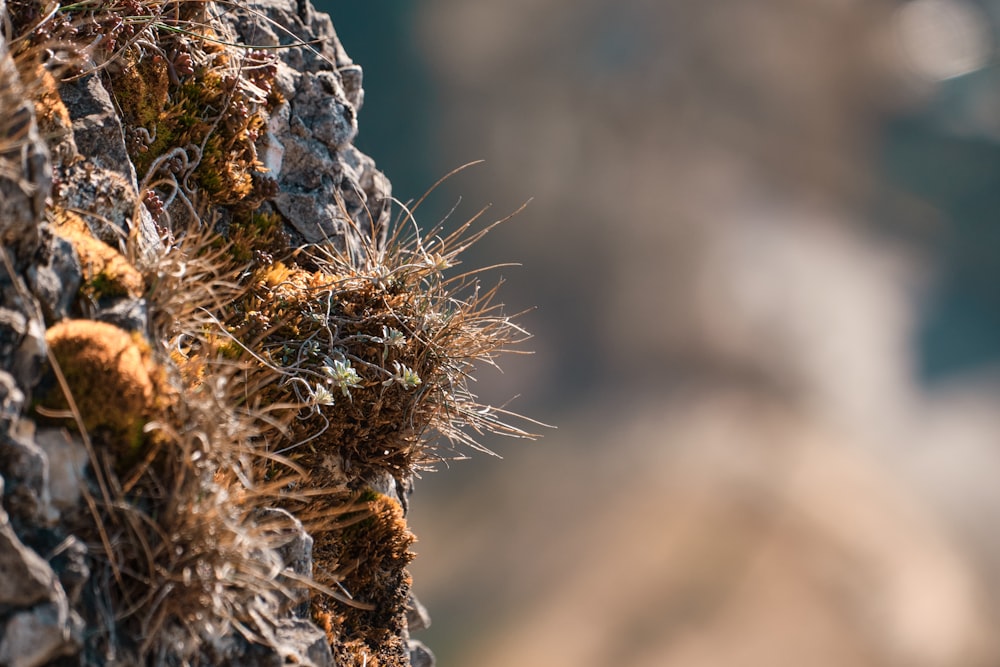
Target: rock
{"type": "Point", "coordinates": [290, 641]}
{"type": "Point", "coordinates": [326, 185]}
{"type": "Point", "coordinates": [69, 562]}
{"type": "Point", "coordinates": [56, 278]}
{"type": "Point", "coordinates": [420, 655]}
{"type": "Point", "coordinates": [296, 549]}
{"type": "Point", "coordinates": [30, 354]}
{"type": "Point", "coordinates": [22, 340]}
{"type": "Point", "coordinates": [25, 469]}
{"type": "Point", "coordinates": [13, 328]}
{"type": "Point", "coordinates": [25, 171]}
{"type": "Point", "coordinates": [417, 617]}
{"type": "Point", "coordinates": [104, 198]}
{"type": "Point", "coordinates": [128, 314]}
{"type": "Point", "coordinates": [302, 639]}
{"type": "Point", "coordinates": [67, 460]}
{"type": "Point", "coordinates": [97, 129]}
{"type": "Point", "coordinates": [25, 579]}
{"type": "Point", "coordinates": [11, 401]}
{"type": "Point", "coordinates": [108, 202]}
{"type": "Point", "coordinates": [36, 637]}
{"type": "Point", "coordinates": [293, 546]}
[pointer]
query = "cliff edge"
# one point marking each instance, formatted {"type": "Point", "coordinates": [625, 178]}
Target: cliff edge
{"type": "Point", "coordinates": [222, 360]}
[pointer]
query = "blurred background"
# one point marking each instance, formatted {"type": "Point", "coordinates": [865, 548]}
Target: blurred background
{"type": "Point", "coordinates": [764, 255]}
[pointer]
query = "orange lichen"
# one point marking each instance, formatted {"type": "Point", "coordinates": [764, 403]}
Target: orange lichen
{"type": "Point", "coordinates": [106, 272]}
{"type": "Point", "coordinates": [374, 554]}
{"type": "Point", "coordinates": [51, 114]}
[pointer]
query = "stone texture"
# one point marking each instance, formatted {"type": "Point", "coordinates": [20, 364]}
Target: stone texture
{"type": "Point", "coordinates": [420, 655]}
{"type": "Point", "coordinates": [417, 617]}
{"type": "Point", "coordinates": [55, 279]}
{"type": "Point", "coordinates": [293, 546]}
{"type": "Point", "coordinates": [25, 468]}
{"type": "Point", "coordinates": [69, 562]}
{"type": "Point", "coordinates": [105, 197]}
{"type": "Point", "coordinates": [97, 128]}
{"type": "Point", "coordinates": [25, 171]}
{"type": "Point", "coordinates": [127, 314]}
{"type": "Point", "coordinates": [291, 641]}
{"type": "Point", "coordinates": [325, 183]}
{"type": "Point", "coordinates": [25, 579]}
{"type": "Point", "coordinates": [36, 637]}
{"type": "Point", "coordinates": [11, 400]}
{"type": "Point", "coordinates": [67, 460]}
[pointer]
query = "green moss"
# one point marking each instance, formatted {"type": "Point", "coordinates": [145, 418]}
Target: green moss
{"type": "Point", "coordinates": [230, 350]}
{"type": "Point", "coordinates": [104, 286]}
{"type": "Point", "coordinates": [260, 231]}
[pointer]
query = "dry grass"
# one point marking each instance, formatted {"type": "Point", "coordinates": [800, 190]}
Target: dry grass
{"type": "Point", "coordinates": [300, 382]}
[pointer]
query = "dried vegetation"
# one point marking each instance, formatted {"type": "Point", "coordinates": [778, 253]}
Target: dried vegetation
{"type": "Point", "coordinates": [266, 378]}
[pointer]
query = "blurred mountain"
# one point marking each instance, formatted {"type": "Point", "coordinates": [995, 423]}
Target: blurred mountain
{"type": "Point", "coordinates": [760, 247]}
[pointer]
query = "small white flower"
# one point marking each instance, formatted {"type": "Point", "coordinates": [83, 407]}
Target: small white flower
{"type": "Point", "coordinates": [438, 262]}
{"type": "Point", "coordinates": [341, 375]}
{"type": "Point", "coordinates": [320, 395]}
{"type": "Point", "coordinates": [393, 337]}
{"type": "Point", "coordinates": [405, 376]}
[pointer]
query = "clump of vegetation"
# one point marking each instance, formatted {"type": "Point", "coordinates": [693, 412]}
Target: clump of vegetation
{"type": "Point", "coordinates": [267, 378]}
{"type": "Point", "coordinates": [373, 554]}
{"type": "Point", "coordinates": [109, 376]}
{"type": "Point", "coordinates": [186, 555]}
{"type": "Point", "coordinates": [377, 354]}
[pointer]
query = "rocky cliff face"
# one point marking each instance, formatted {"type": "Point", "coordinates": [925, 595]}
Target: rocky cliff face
{"type": "Point", "coordinates": [221, 362]}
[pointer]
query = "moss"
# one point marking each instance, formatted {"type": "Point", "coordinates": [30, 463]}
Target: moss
{"type": "Point", "coordinates": [370, 419]}
{"type": "Point", "coordinates": [375, 553]}
{"type": "Point", "coordinates": [141, 88]}
{"type": "Point", "coordinates": [257, 234]}
{"type": "Point", "coordinates": [106, 272]}
{"type": "Point", "coordinates": [207, 108]}
{"type": "Point", "coordinates": [111, 379]}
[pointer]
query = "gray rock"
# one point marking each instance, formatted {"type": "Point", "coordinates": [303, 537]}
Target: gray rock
{"type": "Point", "coordinates": [25, 170]}
{"type": "Point", "coordinates": [105, 198]}
{"type": "Point", "coordinates": [25, 468]}
{"type": "Point", "coordinates": [417, 617]}
{"type": "Point", "coordinates": [29, 357]}
{"type": "Point", "coordinates": [321, 111]}
{"type": "Point", "coordinates": [329, 191]}
{"type": "Point", "coordinates": [22, 344]}
{"type": "Point", "coordinates": [97, 129]}
{"type": "Point", "coordinates": [67, 461]}
{"type": "Point", "coordinates": [290, 641]}
{"type": "Point", "coordinates": [13, 328]}
{"type": "Point", "coordinates": [420, 655]}
{"type": "Point", "coordinates": [69, 562]}
{"type": "Point", "coordinates": [25, 579]}
{"type": "Point", "coordinates": [290, 23]}
{"type": "Point", "coordinates": [296, 549]}
{"type": "Point", "coordinates": [128, 314]}
{"type": "Point", "coordinates": [36, 637]}
{"type": "Point", "coordinates": [110, 206]}
{"type": "Point", "coordinates": [293, 546]}
{"type": "Point", "coordinates": [56, 278]}
{"type": "Point", "coordinates": [11, 401]}
{"type": "Point", "coordinates": [302, 642]}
